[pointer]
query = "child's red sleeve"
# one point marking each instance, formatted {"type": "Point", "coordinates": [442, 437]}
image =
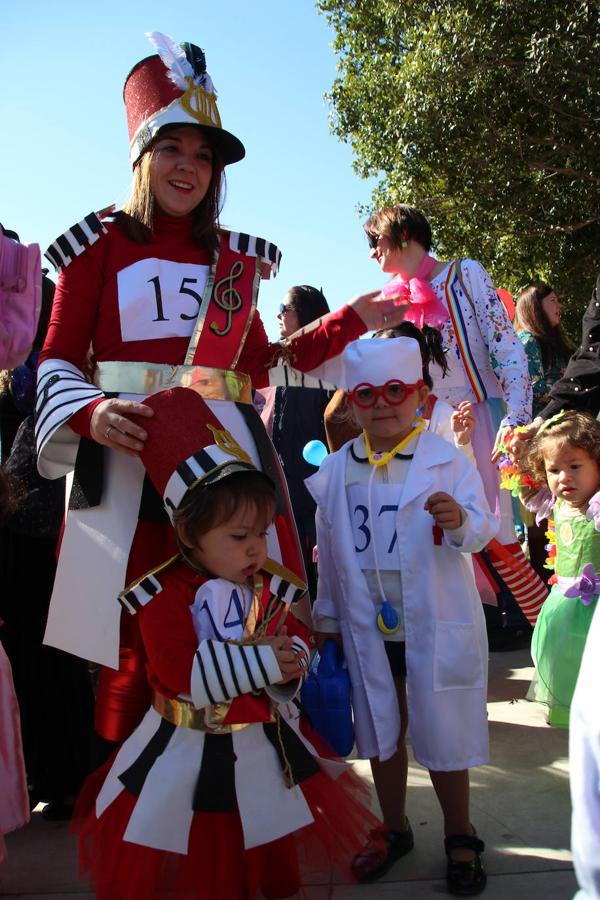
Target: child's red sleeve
{"type": "Point", "coordinates": [170, 640]}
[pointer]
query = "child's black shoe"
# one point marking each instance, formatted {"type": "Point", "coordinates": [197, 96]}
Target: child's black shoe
{"type": "Point", "coordinates": [381, 852]}
{"type": "Point", "coordinates": [465, 878]}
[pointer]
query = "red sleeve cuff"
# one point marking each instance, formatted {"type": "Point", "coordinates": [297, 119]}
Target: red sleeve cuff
{"type": "Point", "coordinates": [81, 421]}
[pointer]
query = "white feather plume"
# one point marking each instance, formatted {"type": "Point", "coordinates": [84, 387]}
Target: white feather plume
{"type": "Point", "coordinates": [207, 83]}
{"type": "Point", "coordinates": [174, 58]}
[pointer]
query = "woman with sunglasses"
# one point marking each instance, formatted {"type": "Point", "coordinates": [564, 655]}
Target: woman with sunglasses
{"type": "Point", "coordinates": [487, 365]}
{"type": "Point", "coordinates": [399, 511]}
{"type": "Point", "coordinates": [294, 417]}
{"type": "Point", "coordinates": [160, 297]}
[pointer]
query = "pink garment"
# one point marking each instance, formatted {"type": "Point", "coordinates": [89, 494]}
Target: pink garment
{"type": "Point", "coordinates": [14, 800]}
{"type": "Point", "coordinates": [424, 308]}
{"type": "Point", "coordinates": [267, 410]}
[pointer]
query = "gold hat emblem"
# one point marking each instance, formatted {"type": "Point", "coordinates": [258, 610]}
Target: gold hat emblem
{"type": "Point", "coordinates": [226, 442]}
{"type": "Point", "coordinates": [200, 104]}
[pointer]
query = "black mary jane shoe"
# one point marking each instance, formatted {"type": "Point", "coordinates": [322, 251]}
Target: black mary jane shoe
{"type": "Point", "coordinates": [465, 878]}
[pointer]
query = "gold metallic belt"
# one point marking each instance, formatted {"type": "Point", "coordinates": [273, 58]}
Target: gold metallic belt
{"type": "Point", "coordinates": [182, 713]}
{"type": "Point", "coordinates": [149, 378]}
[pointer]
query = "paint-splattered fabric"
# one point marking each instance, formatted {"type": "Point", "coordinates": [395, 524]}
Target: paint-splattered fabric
{"type": "Point", "coordinates": [496, 349]}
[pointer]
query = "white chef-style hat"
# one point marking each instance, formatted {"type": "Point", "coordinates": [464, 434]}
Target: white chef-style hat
{"type": "Point", "coordinates": [379, 360]}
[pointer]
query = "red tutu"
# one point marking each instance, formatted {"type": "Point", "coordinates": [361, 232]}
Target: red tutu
{"type": "Point", "coordinates": [217, 865]}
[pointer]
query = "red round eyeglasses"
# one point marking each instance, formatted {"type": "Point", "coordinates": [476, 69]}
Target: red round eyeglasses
{"type": "Point", "coordinates": [394, 393]}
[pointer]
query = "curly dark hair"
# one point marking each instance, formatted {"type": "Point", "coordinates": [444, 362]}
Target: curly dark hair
{"type": "Point", "coordinates": [574, 429]}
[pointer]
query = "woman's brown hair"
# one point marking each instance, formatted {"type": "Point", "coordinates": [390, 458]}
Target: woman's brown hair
{"type": "Point", "coordinates": [530, 316]}
{"type": "Point", "coordinates": [137, 216]}
{"type": "Point", "coordinates": [400, 223]}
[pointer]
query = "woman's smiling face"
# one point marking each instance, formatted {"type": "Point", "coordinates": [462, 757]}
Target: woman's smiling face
{"type": "Point", "coordinates": [181, 169]}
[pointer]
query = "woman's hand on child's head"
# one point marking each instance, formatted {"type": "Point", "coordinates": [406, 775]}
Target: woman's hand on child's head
{"type": "Point", "coordinates": [463, 422]}
{"type": "Point", "coordinates": [111, 424]}
{"type": "Point", "coordinates": [377, 312]}
{"type": "Point", "coordinates": [447, 513]}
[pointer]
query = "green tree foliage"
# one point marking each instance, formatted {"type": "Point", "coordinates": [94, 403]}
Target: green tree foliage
{"type": "Point", "coordinates": [484, 114]}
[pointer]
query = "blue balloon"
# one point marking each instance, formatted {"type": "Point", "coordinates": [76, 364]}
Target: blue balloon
{"type": "Point", "coordinates": [314, 452]}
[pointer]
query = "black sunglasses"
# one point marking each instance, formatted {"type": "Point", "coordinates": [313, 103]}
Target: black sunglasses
{"type": "Point", "coordinates": [283, 308]}
{"type": "Point", "coordinates": [372, 239]}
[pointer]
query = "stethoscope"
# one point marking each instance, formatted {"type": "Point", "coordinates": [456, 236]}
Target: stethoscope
{"type": "Point", "coordinates": [387, 617]}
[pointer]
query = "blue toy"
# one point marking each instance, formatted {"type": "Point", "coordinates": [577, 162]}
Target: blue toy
{"type": "Point", "coordinates": [325, 698]}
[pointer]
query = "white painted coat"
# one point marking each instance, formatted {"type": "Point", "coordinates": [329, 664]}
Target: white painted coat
{"type": "Point", "coordinates": [446, 643]}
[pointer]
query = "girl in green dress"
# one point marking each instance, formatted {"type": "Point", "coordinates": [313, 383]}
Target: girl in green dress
{"type": "Point", "coordinates": [565, 455]}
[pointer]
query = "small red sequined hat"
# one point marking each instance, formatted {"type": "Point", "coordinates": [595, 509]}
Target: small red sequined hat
{"type": "Point", "coordinates": [174, 88]}
{"type": "Point", "coordinates": [187, 445]}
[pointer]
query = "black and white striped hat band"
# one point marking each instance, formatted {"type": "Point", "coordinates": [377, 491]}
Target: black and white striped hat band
{"type": "Point", "coordinates": [203, 466]}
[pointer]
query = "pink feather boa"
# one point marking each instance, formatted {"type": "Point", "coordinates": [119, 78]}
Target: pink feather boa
{"type": "Point", "coordinates": [424, 308]}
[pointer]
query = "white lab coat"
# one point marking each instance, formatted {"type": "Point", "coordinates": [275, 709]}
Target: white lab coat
{"type": "Point", "coordinates": [584, 754]}
{"type": "Point", "coordinates": [446, 643]}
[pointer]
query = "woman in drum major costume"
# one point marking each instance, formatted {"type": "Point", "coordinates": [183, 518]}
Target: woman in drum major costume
{"type": "Point", "coordinates": [164, 298]}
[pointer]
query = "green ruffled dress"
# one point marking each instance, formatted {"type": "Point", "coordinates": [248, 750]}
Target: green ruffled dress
{"type": "Point", "coordinates": [561, 629]}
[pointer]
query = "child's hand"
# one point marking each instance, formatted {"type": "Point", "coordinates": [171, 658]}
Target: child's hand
{"type": "Point", "coordinates": [462, 422]}
{"type": "Point", "coordinates": [321, 637]}
{"type": "Point", "coordinates": [288, 660]}
{"type": "Point", "coordinates": [446, 512]}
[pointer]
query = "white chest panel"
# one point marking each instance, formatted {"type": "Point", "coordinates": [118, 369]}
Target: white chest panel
{"type": "Point", "coordinates": [373, 521]}
{"type": "Point", "coordinates": [220, 610]}
{"type": "Point", "coordinates": [158, 298]}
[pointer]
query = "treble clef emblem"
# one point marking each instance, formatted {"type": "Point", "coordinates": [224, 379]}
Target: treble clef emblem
{"type": "Point", "coordinates": [227, 298]}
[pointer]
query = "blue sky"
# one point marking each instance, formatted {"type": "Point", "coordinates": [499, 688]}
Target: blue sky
{"type": "Point", "coordinates": [64, 151]}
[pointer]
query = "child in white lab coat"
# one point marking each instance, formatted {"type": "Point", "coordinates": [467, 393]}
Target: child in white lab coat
{"type": "Point", "coordinates": [399, 510]}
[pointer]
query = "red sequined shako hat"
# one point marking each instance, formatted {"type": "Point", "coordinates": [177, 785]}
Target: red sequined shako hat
{"type": "Point", "coordinates": [187, 446]}
{"type": "Point", "coordinates": [174, 88]}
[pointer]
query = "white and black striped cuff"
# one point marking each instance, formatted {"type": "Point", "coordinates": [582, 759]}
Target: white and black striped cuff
{"type": "Point", "coordinates": [254, 246]}
{"type": "Point", "coordinates": [62, 390]}
{"type": "Point", "coordinates": [192, 470]}
{"type": "Point", "coordinates": [140, 594]}
{"type": "Point", "coordinates": [75, 241]}
{"type": "Point", "coordinates": [222, 671]}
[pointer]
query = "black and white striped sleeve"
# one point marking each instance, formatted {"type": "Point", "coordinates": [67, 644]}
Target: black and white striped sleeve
{"type": "Point", "coordinates": [222, 671]}
{"type": "Point", "coordinates": [62, 390]}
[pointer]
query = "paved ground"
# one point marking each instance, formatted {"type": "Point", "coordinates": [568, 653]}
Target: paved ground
{"type": "Point", "coordinates": [520, 807]}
